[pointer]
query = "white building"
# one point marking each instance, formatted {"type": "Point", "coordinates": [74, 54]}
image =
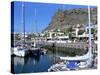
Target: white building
{"type": "Point", "coordinates": [85, 34]}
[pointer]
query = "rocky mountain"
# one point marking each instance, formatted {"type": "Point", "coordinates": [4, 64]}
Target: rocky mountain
{"type": "Point", "coordinates": [66, 18]}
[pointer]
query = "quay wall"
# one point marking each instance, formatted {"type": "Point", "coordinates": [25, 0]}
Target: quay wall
{"type": "Point", "coordinates": [77, 45]}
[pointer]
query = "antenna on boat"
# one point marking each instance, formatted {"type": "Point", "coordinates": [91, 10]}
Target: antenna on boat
{"type": "Point", "coordinates": [23, 22]}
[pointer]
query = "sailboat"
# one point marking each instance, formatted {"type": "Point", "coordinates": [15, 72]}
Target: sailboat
{"type": "Point", "coordinates": [77, 62]}
{"type": "Point", "coordinates": [21, 50]}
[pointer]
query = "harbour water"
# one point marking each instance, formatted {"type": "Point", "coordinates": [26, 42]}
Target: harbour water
{"type": "Point", "coordinates": [40, 63]}
{"type": "Point", "coordinates": [31, 64]}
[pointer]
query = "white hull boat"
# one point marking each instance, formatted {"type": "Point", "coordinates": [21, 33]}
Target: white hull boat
{"type": "Point", "coordinates": [81, 62]}
{"type": "Point", "coordinates": [19, 51]}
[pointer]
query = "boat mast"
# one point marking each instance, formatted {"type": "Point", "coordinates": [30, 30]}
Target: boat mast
{"type": "Point", "coordinates": [23, 23]}
{"type": "Point", "coordinates": [35, 14]}
{"type": "Point", "coordinates": [89, 23]}
{"type": "Point", "coordinates": [36, 20]}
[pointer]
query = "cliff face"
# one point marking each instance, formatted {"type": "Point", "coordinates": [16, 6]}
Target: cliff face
{"type": "Point", "coordinates": [66, 18]}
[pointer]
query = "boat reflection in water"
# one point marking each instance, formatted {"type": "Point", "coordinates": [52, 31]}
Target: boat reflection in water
{"type": "Point", "coordinates": [39, 63]}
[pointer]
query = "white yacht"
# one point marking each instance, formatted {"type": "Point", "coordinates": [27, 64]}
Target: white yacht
{"type": "Point", "coordinates": [78, 62]}
{"type": "Point", "coordinates": [19, 51]}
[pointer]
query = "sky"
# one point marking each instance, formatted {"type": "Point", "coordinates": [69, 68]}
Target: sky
{"type": "Point", "coordinates": [37, 16]}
